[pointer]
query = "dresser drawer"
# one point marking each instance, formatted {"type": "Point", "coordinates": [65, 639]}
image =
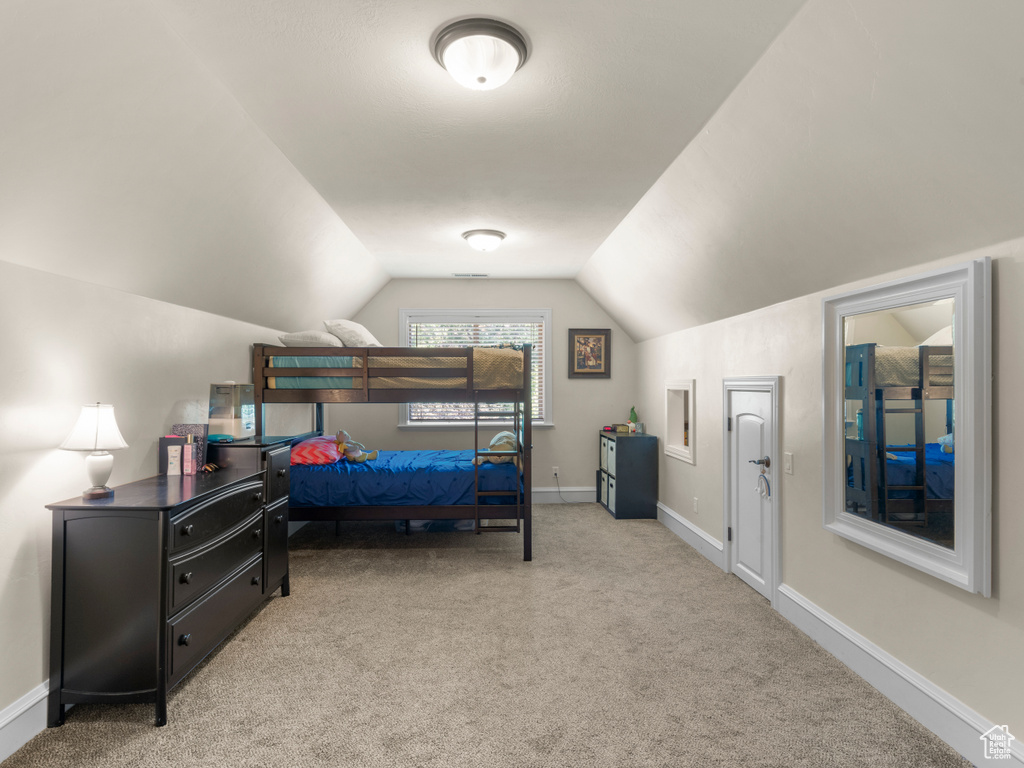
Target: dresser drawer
{"type": "Point", "coordinates": [196, 573]}
{"type": "Point", "coordinates": [220, 513]}
{"type": "Point", "coordinates": [278, 467]}
{"type": "Point", "coordinates": [195, 632]}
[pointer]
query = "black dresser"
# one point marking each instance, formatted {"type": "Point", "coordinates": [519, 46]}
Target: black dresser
{"type": "Point", "coordinates": [147, 583]}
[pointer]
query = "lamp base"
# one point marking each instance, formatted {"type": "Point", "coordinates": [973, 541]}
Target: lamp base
{"type": "Point", "coordinates": [98, 492]}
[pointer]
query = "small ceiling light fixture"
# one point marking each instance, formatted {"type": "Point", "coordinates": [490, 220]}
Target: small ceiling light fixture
{"type": "Point", "coordinates": [484, 239]}
{"type": "Point", "coordinates": [481, 54]}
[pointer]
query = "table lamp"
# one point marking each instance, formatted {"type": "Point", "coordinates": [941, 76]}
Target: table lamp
{"type": "Point", "coordinates": [96, 431]}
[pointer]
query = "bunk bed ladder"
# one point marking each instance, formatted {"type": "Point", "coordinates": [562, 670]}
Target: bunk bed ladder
{"type": "Point", "coordinates": [918, 488]}
{"type": "Point", "coordinates": [515, 413]}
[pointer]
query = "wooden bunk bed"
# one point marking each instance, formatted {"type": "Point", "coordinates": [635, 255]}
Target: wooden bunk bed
{"type": "Point", "coordinates": [478, 375]}
{"type": "Point", "coordinates": [907, 486]}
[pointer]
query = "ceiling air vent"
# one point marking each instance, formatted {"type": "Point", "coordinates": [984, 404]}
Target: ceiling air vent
{"type": "Point", "coordinates": [468, 274]}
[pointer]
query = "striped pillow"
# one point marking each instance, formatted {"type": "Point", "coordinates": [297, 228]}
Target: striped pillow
{"type": "Point", "coordinates": [316, 450]}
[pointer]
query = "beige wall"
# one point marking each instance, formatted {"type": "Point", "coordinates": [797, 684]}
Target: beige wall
{"type": "Point", "coordinates": [130, 178]}
{"type": "Point", "coordinates": [580, 407]}
{"type": "Point", "coordinates": [71, 343]}
{"type": "Point", "coordinates": [123, 162]}
{"type": "Point", "coordinates": [965, 644]}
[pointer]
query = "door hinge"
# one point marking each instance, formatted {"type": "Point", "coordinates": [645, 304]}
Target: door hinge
{"type": "Point", "coordinates": [730, 533]}
{"type": "Point", "coordinates": [728, 422]}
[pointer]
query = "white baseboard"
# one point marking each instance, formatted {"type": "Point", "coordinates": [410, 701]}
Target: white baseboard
{"type": "Point", "coordinates": [948, 718]}
{"type": "Point", "coordinates": [23, 720]}
{"type": "Point", "coordinates": [700, 540]}
{"type": "Point", "coordinates": [550, 495]}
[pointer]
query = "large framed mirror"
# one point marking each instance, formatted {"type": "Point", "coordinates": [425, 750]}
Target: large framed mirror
{"type": "Point", "coordinates": [907, 421]}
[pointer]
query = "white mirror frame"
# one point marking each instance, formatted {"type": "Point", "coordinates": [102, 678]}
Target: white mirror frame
{"type": "Point", "coordinates": [968, 564]}
{"type": "Point", "coordinates": [680, 416]}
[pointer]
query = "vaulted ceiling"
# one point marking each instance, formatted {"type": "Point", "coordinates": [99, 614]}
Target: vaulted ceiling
{"type": "Point", "coordinates": [683, 160]}
{"type": "Point", "coordinates": [611, 93]}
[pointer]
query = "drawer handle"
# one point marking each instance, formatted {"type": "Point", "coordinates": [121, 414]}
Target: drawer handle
{"type": "Point", "coordinates": [255, 581]}
{"type": "Point", "coordinates": [257, 532]}
{"type": "Point", "coordinates": [258, 496]}
{"type": "Point", "coordinates": [282, 472]}
{"type": "Point", "coordinates": [186, 530]}
{"type": "Point", "coordinates": [279, 519]}
{"type": "Point", "coordinates": [186, 578]}
{"type": "Point", "coordinates": [185, 639]}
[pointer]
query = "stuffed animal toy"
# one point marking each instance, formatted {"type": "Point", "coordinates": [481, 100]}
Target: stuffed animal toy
{"type": "Point", "coordinates": [352, 450]}
{"type": "Point", "coordinates": [503, 441]}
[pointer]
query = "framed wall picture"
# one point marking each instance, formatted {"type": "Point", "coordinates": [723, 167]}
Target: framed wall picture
{"type": "Point", "coordinates": [590, 353]}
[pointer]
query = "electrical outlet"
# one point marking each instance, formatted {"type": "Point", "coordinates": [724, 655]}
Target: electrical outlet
{"type": "Point", "coordinates": [554, 471]}
{"type": "Point", "coordinates": [695, 505]}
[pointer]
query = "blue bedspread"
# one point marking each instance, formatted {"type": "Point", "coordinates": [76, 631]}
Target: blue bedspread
{"type": "Point", "coordinates": [938, 472]}
{"type": "Point", "coordinates": [401, 478]}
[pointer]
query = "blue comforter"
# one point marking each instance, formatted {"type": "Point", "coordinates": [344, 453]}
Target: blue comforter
{"type": "Point", "coordinates": [939, 468]}
{"type": "Point", "coordinates": [401, 478]}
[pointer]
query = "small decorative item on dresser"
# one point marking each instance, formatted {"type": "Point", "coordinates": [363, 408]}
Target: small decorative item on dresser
{"type": "Point", "coordinates": [199, 433]}
{"type": "Point", "coordinates": [590, 353]}
{"type": "Point", "coordinates": [96, 431]}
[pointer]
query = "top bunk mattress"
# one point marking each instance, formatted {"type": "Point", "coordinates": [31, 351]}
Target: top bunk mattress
{"type": "Point", "coordinates": [493, 368]}
{"type": "Point", "coordinates": [900, 367]}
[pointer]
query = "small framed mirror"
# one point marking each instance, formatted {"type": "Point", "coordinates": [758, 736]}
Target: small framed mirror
{"type": "Point", "coordinates": [907, 421]}
{"type": "Point", "coordinates": [680, 409]}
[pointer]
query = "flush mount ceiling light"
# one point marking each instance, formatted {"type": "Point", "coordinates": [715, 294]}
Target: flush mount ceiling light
{"type": "Point", "coordinates": [480, 53]}
{"type": "Point", "coordinates": [484, 239]}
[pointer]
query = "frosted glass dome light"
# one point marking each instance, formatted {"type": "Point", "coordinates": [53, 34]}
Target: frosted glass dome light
{"type": "Point", "coordinates": [481, 54]}
{"type": "Point", "coordinates": [484, 239]}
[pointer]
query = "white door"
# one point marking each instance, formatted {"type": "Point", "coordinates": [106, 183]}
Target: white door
{"type": "Point", "coordinates": [751, 510]}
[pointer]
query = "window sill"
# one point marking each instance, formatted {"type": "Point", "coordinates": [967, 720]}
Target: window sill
{"type": "Point", "coordinates": [469, 425]}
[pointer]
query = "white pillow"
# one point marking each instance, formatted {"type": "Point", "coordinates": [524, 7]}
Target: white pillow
{"type": "Point", "coordinates": [351, 334]}
{"type": "Point", "coordinates": [309, 339]}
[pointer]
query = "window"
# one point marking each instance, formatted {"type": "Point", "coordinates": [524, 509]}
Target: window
{"type": "Point", "coordinates": [477, 328]}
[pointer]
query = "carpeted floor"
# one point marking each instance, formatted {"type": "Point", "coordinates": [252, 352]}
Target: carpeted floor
{"type": "Point", "coordinates": [618, 647]}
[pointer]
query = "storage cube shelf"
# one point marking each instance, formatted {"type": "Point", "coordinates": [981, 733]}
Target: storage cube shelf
{"type": "Point", "coordinates": [627, 478]}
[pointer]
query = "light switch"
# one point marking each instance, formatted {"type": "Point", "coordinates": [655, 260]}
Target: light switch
{"type": "Point", "coordinates": [787, 462]}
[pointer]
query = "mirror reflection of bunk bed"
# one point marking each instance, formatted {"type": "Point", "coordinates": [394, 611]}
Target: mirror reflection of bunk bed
{"type": "Point", "coordinates": [489, 487]}
{"type": "Point", "coordinates": [906, 485]}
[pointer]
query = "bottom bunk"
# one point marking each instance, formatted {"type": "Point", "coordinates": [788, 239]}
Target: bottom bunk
{"type": "Point", "coordinates": [412, 486]}
{"type": "Point", "coordinates": [896, 498]}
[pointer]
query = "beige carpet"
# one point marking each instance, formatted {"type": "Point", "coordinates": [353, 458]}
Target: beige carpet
{"type": "Point", "coordinates": [617, 646]}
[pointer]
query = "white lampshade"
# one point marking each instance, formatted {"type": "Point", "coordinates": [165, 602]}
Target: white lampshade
{"type": "Point", "coordinates": [481, 54]}
{"type": "Point", "coordinates": [484, 239]}
{"type": "Point", "coordinates": [95, 430]}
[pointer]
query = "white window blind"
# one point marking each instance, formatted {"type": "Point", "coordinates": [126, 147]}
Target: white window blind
{"type": "Point", "coordinates": [478, 328]}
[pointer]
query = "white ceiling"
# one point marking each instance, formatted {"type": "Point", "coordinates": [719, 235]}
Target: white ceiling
{"type": "Point", "coordinates": [704, 157]}
{"type": "Point", "coordinates": [611, 94]}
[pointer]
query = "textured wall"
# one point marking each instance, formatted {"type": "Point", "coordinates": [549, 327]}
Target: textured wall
{"type": "Point", "coordinates": [72, 343]}
{"type": "Point", "coordinates": [870, 136]}
{"type": "Point", "coordinates": [124, 163]}
{"type": "Point", "coordinates": [953, 638]}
